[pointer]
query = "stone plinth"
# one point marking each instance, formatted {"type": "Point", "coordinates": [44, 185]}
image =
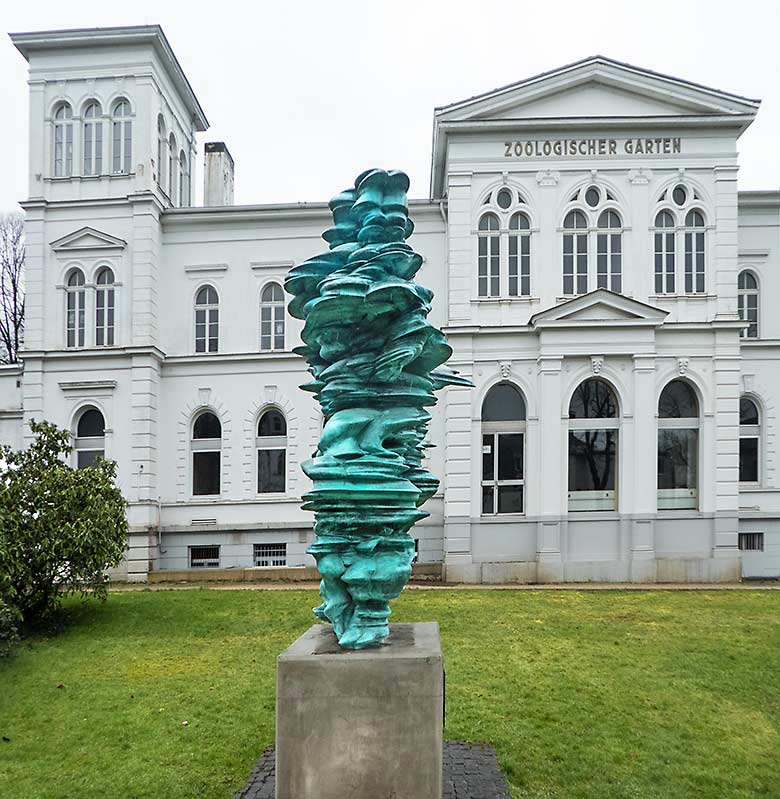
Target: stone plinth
{"type": "Point", "coordinates": [360, 724]}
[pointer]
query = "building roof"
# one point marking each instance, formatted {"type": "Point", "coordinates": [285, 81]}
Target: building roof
{"type": "Point", "coordinates": [30, 42]}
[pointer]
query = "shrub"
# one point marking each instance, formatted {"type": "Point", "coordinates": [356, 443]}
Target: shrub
{"type": "Point", "coordinates": [60, 528]}
{"type": "Point", "coordinates": [9, 634]}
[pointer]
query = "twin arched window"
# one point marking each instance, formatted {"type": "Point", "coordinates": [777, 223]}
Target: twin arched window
{"type": "Point", "coordinates": [206, 320]}
{"type": "Point", "coordinates": [90, 442]}
{"type": "Point", "coordinates": [679, 228]}
{"type": "Point", "coordinates": [594, 422]}
{"type": "Point", "coordinates": [504, 247]}
{"type": "Point", "coordinates": [272, 318]}
{"type": "Point", "coordinates": [678, 447]}
{"type": "Point", "coordinates": [206, 446]}
{"type": "Point", "coordinates": [76, 308]}
{"type": "Point", "coordinates": [584, 234]}
{"type": "Point", "coordinates": [271, 444]}
{"type": "Point", "coordinates": [503, 437]}
{"type": "Point", "coordinates": [747, 302]}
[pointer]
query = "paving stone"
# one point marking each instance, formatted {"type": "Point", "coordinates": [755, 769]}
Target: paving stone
{"type": "Point", "coordinates": [471, 771]}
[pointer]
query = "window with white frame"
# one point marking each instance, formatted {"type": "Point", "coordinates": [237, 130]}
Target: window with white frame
{"type": "Point", "coordinates": [594, 426]}
{"type": "Point", "coordinates": [204, 557]}
{"type": "Point", "coordinates": [694, 252]}
{"type": "Point", "coordinates": [678, 447]}
{"type": "Point", "coordinates": [206, 320]}
{"type": "Point", "coordinates": [104, 308]}
{"type": "Point", "coordinates": [122, 138]}
{"type": "Point", "coordinates": [266, 555]}
{"type": "Point", "coordinates": [206, 445]}
{"type": "Point", "coordinates": [173, 180]}
{"type": "Point", "coordinates": [90, 442]}
{"type": "Point", "coordinates": [75, 309]}
{"type": "Point", "coordinates": [63, 141]}
{"type": "Point", "coordinates": [184, 180]}
{"type": "Point", "coordinates": [609, 251]}
{"type": "Point", "coordinates": [272, 317]}
{"type": "Point", "coordinates": [271, 444]}
{"type": "Point", "coordinates": [747, 302]}
{"type": "Point", "coordinates": [592, 242]}
{"type": "Point", "coordinates": [664, 253]}
{"type": "Point", "coordinates": [749, 441]}
{"type": "Point", "coordinates": [503, 450]}
{"type": "Point", "coordinates": [92, 139]}
{"type": "Point", "coordinates": [503, 246]}
{"type": "Point", "coordinates": [162, 143]}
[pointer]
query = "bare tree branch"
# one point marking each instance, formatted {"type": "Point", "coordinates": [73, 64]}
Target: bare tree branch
{"type": "Point", "coordinates": [12, 252]}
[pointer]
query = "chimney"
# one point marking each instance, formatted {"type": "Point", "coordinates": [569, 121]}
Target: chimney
{"type": "Point", "coordinates": [218, 175]}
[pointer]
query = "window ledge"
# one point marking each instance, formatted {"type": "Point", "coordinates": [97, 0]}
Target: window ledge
{"type": "Point", "coordinates": [497, 518]}
{"type": "Point", "coordinates": [663, 297]}
{"type": "Point", "coordinates": [503, 300]}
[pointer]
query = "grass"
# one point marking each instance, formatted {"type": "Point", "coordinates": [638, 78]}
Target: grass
{"type": "Point", "coordinates": [584, 694]}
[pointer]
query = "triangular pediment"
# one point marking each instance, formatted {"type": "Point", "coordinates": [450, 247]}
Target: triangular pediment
{"type": "Point", "coordinates": [597, 87]}
{"type": "Point", "coordinates": [87, 238]}
{"type": "Point", "coordinates": [600, 308]}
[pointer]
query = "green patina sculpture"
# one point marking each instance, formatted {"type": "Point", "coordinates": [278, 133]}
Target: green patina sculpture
{"type": "Point", "coordinates": [376, 362]}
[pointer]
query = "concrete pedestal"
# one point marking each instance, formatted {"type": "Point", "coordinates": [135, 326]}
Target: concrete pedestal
{"type": "Point", "coordinates": [361, 724]}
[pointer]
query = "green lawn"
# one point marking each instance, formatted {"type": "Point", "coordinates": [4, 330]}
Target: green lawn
{"type": "Point", "coordinates": [585, 695]}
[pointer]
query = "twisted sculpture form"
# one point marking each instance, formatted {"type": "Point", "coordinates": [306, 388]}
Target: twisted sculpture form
{"type": "Point", "coordinates": [376, 362]}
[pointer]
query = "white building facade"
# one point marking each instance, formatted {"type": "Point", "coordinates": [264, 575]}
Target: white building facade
{"type": "Point", "coordinates": [602, 281]}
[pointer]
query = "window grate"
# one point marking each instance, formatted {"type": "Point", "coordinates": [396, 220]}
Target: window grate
{"type": "Point", "coordinates": [751, 542]}
{"type": "Point", "coordinates": [204, 557]}
{"type": "Point", "coordinates": [270, 555]}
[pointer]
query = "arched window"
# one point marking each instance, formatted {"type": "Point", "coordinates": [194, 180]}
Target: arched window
{"type": "Point", "coordinates": [206, 454]}
{"type": "Point", "coordinates": [162, 143]}
{"type": "Point", "coordinates": [664, 253]}
{"type": "Point", "coordinates": [173, 180]}
{"type": "Point", "coordinates": [206, 320]}
{"type": "Point", "coordinates": [609, 251]}
{"type": "Point", "coordinates": [488, 256]}
{"type": "Point", "coordinates": [747, 303]}
{"type": "Point", "coordinates": [503, 438]}
{"type": "Point", "coordinates": [749, 441]}
{"type": "Point", "coordinates": [75, 305]}
{"type": "Point", "coordinates": [184, 181]}
{"type": "Point", "coordinates": [594, 423]}
{"type": "Point", "coordinates": [519, 255]}
{"type": "Point", "coordinates": [104, 308]}
{"type": "Point", "coordinates": [90, 443]}
{"type": "Point", "coordinates": [575, 253]}
{"type": "Point", "coordinates": [63, 141]}
{"type": "Point", "coordinates": [272, 318]}
{"type": "Point", "coordinates": [694, 252]}
{"type": "Point", "coordinates": [93, 139]}
{"type": "Point", "coordinates": [271, 445]}
{"type": "Point", "coordinates": [678, 447]}
{"type": "Point", "coordinates": [122, 127]}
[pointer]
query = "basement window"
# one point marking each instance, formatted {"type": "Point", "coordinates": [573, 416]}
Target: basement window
{"type": "Point", "coordinates": [270, 555]}
{"type": "Point", "coordinates": [204, 557]}
{"type": "Point", "coordinates": [751, 542]}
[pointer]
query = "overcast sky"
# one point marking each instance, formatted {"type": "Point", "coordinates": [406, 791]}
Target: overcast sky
{"type": "Point", "coordinates": [307, 93]}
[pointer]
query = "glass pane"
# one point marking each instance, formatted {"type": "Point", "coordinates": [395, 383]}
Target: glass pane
{"type": "Point", "coordinates": [592, 196]}
{"type": "Point", "coordinates": [678, 401]}
{"type": "Point", "coordinates": [510, 457]}
{"type": "Point", "coordinates": [593, 399]}
{"type": "Point", "coordinates": [87, 457]}
{"type": "Point", "coordinates": [91, 424]}
{"type": "Point", "coordinates": [510, 499]}
{"type": "Point", "coordinates": [205, 473]}
{"type": "Point", "coordinates": [207, 425]}
{"type": "Point", "coordinates": [270, 471]}
{"type": "Point", "coordinates": [748, 460]}
{"type": "Point", "coordinates": [272, 423]}
{"type": "Point", "coordinates": [503, 403]}
{"type": "Point", "coordinates": [487, 499]}
{"type": "Point", "coordinates": [504, 199]}
{"type": "Point", "coordinates": [488, 457]}
{"type": "Point", "coordinates": [592, 460]}
{"type": "Point", "coordinates": [677, 458]}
